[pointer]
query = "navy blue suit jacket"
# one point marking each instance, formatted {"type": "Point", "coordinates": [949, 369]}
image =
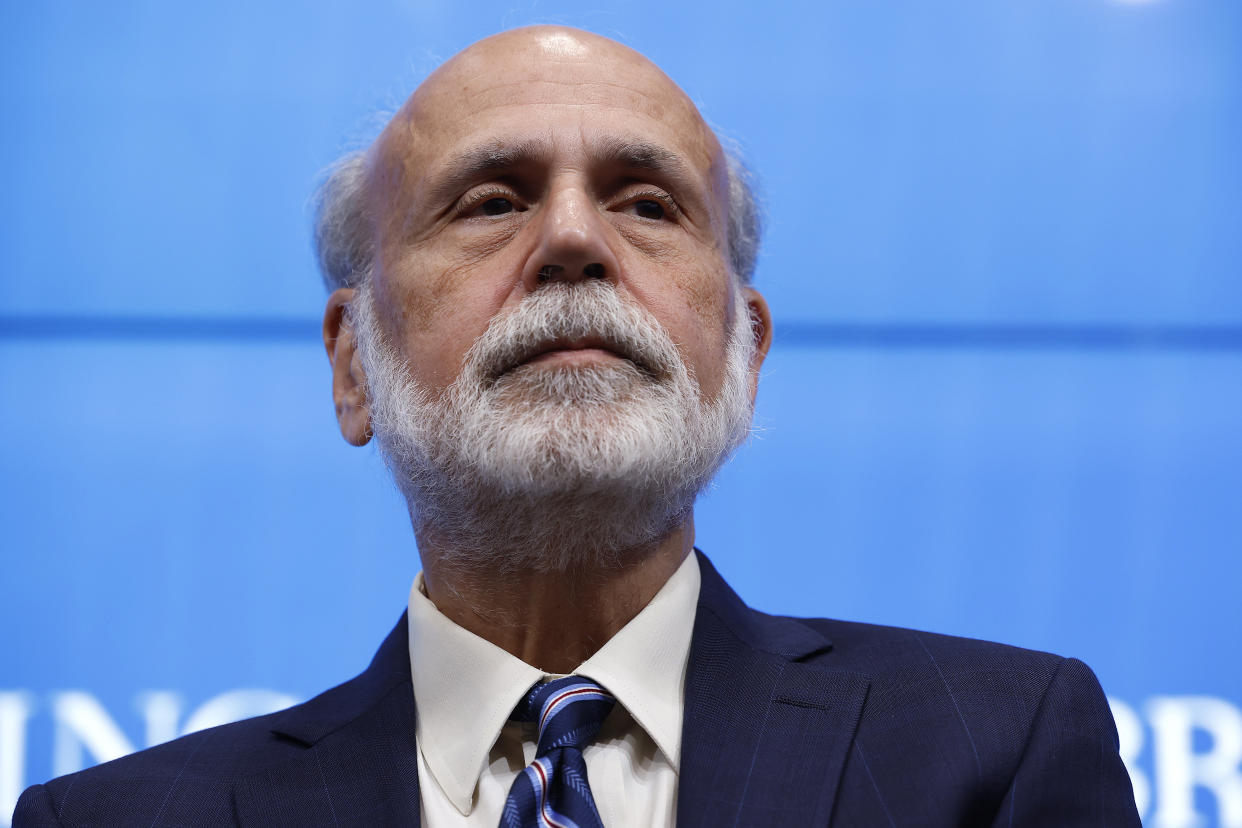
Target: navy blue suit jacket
{"type": "Point", "coordinates": [788, 722]}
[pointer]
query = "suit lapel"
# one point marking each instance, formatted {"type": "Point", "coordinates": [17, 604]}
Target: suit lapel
{"type": "Point", "coordinates": [358, 763]}
{"type": "Point", "coordinates": [765, 736]}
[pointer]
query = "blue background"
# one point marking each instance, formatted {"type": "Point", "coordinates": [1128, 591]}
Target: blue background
{"type": "Point", "coordinates": [1004, 401]}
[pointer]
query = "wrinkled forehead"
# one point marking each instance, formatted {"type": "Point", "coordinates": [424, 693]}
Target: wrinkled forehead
{"type": "Point", "coordinates": [561, 87]}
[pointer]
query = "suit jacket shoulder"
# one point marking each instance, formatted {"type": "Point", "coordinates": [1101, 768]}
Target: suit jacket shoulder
{"type": "Point", "coordinates": [906, 727]}
{"type": "Point", "coordinates": [288, 768]}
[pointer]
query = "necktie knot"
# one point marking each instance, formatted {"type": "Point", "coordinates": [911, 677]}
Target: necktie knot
{"type": "Point", "coordinates": [568, 711]}
{"type": "Point", "coordinates": [553, 790]}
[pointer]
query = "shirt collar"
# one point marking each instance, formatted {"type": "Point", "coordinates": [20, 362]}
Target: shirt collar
{"type": "Point", "coordinates": [644, 664]}
{"type": "Point", "coordinates": [465, 687]}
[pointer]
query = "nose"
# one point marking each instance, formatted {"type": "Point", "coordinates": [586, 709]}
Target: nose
{"type": "Point", "coordinates": [573, 242]}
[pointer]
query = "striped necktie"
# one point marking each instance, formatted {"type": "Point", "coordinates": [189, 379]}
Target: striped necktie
{"type": "Point", "coordinates": [553, 791]}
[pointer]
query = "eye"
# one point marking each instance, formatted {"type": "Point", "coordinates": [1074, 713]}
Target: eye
{"type": "Point", "coordinates": [491, 202]}
{"type": "Point", "coordinates": [495, 206]}
{"type": "Point", "coordinates": [651, 206]}
{"type": "Point", "coordinates": [649, 209]}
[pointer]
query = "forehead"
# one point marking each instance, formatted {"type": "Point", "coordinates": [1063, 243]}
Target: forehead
{"type": "Point", "coordinates": [564, 89]}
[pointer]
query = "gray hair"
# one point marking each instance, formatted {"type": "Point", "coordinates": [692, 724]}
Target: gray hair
{"type": "Point", "coordinates": [343, 238]}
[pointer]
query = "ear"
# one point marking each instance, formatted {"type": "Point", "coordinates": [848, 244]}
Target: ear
{"type": "Point", "coordinates": [349, 381]}
{"type": "Point", "coordinates": [761, 330]}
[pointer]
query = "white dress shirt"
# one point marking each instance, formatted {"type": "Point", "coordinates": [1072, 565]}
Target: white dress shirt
{"type": "Point", "coordinates": [466, 687]}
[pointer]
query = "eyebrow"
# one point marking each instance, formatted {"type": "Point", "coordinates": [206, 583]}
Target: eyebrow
{"type": "Point", "coordinates": [641, 155]}
{"type": "Point", "coordinates": [475, 163]}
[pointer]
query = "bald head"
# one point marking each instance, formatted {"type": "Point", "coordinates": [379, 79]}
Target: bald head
{"type": "Point", "coordinates": [520, 81]}
{"type": "Point", "coordinates": [524, 74]}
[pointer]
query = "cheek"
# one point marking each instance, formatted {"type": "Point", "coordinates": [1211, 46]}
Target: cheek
{"type": "Point", "coordinates": [696, 307]}
{"type": "Point", "coordinates": [438, 306]}
{"type": "Point", "coordinates": [432, 282]}
{"type": "Point", "coordinates": [710, 301]}
{"type": "Point", "coordinates": [706, 353]}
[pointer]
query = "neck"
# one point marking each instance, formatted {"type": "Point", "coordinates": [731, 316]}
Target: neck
{"type": "Point", "coordinates": [553, 620]}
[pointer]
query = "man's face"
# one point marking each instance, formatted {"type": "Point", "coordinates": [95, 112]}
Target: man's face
{"type": "Point", "coordinates": [548, 155]}
{"type": "Point", "coordinates": [554, 355]}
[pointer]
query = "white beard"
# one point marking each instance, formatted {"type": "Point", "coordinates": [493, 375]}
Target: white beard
{"type": "Point", "coordinates": [526, 467]}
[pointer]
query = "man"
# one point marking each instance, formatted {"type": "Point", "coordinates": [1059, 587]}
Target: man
{"type": "Point", "coordinates": [540, 310]}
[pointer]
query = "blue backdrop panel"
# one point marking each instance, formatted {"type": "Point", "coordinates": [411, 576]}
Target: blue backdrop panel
{"type": "Point", "coordinates": [1003, 255]}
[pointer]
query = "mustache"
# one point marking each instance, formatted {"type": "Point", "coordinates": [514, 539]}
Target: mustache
{"type": "Point", "coordinates": [591, 314]}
